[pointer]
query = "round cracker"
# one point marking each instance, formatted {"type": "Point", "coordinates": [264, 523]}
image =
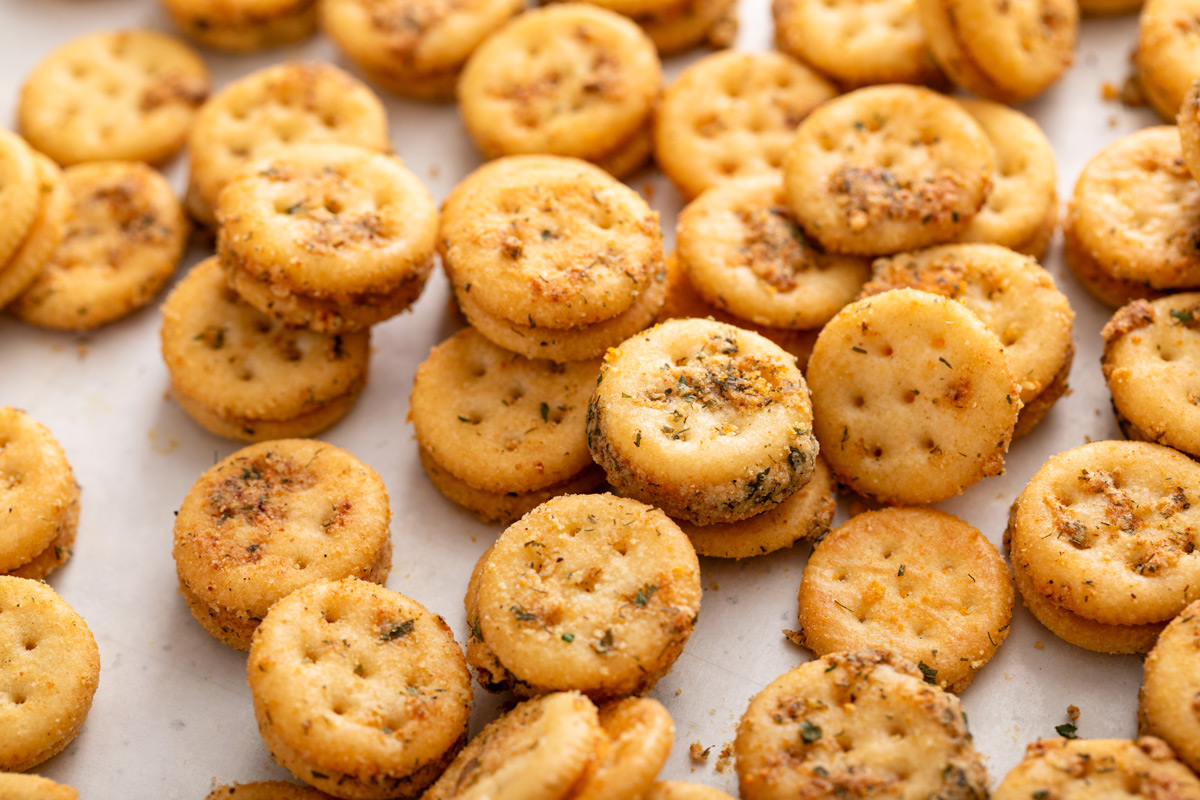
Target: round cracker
{"type": "Point", "coordinates": [358, 690]}
{"type": "Point", "coordinates": [639, 733]}
{"type": "Point", "coordinates": [710, 422]}
{"type": "Point", "coordinates": [732, 115]}
{"type": "Point", "coordinates": [1075, 769]}
{"type": "Point", "coordinates": [682, 790]}
{"type": "Point", "coordinates": [914, 399]}
{"type": "Point", "coordinates": [916, 581]}
{"type": "Point", "coordinates": [606, 613]}
{"type": "Point", "coordinates": [48, 674]}
{"type": "Point", "coordinates": [1109, 530]}
{"type": "Point", "coordinates": [20, 193]}
{"type": "Point", "coordinates": [118, 96]}
{"type": "Point", "coordinates": [887, 168]}
{"type": "Point", "coordinates": [16, 786]}
{"type": "Point", "coordinates": [862, 723]}
{"type": "Point", "coordinates": [1165, 59]}
{"type": "Point", "coordinates": [45, 234]}
{"type": "Point", "coordinates": [243, 26]}
{"type": "Point", "coordinates": [745, 254]}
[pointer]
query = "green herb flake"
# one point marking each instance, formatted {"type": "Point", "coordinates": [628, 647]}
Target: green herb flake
{"type": "Point", "coordinates": [476, 630]}
{"type": "Point", "coordinates": [900, 573]}
{"type": "Point", "coordinates": [522, 614]}
{"type": "Point", "coordinates": [359, 671]}
{"type": "Point", "coordinates": [545, 412]}
{"type": "Point", "coordinates": [1182, 316]}
{"type": "Point", "coordinates": [1066, 730]}
{"type": "Point", "coordinates": [944, 361]}
{"type": "Point", "coordinates": [638, 441]}
{"type": "Point", "coordinates": [568, 637]}
{"type": "Point", "coordinates": [809, 733]}
{"type": "Point", "coordinates": [642, 598]}
{"type": "Point", "coordinates": [399, 630]}
{"type": "Point", "coordinates": [463, 419]}
{"type": "Point", "coordinates": [858, 350]}
{"type": "Point", "coordinates": [929, 672]}
{"type": "Point", "coordinates": [605, 644]}
{"type": "Point", "coordinates": [1041, 794]}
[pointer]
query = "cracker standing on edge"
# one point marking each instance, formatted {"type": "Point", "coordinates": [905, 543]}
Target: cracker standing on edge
{"type": "Point", "coordinates": [887, 168]}
{"type": "Point", "coordinates": [45, 234]}
{"type": "Point", "coordinates": [710, 422]}
{"type": "Point", "coordinates": [243, 26]}
{"type": "Point", "coordinates": [916, 581]}
{"type": "Point", "coordinates": [272, 518]}
{"type": "Point", "coordinates": [1169, 700]}
{"type": "Point", "coordinates": [510, 430]}
{"type": "Point", "coordinates": [120, 96]}
{"type": "Point", "coordinates": [593, 593]}
{"type": "Point", "coordinates": [537, 751]}
{"type": "Point", "coordinates": [358, 690]}
{"type": "Point", "coordinates": [1081, 769]}
{"type": "Point", "coordinates": [327, 236]}
{"type": "Point", "coordinates": [20, 193]}
{"type": "Point", "coordinates": [858, 724]}
{"type": "Point", "coordinates": [733, 115]}
{"type": "Point", "coordinates": [125, 236]}
{"type": "Point", "coordinates": [1167, 53]}
{"type": "Point", "coordinates": [414, 48]}
{"type": "Point", "coordinates": [49, 669]}
{"type": "Point", "coordinates": [570, 80]}
{"type": "Point", "coordinates": [1151, 348]}
{"type": "Point", "coordinates": [914, 398]}
{"type": "Point", "coordinates": [39, 493]}
{"type": "Point", "coordinates": [638, 734]}
{"type": "Point", "coordinates": [281, 104]}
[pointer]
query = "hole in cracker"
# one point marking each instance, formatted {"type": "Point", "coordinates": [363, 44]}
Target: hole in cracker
{"type": "Point", "coordinates": [332, 617]}
{"type": "Point", "coordinates": [31, 645]}
{"type": "Point", "coordinates": [263, 325]}
{"type": "Point", "coordinates": [887, 554]}
{"type": "Point", "coordinates": [557, 416]}
{"type": "Point", "coordinates": [622, 547]}
{"type": "Point", "coordinates": [844, 742]}
{"type": "Point", "coordinates": [246, 374]}
{"type": "Point", "coordinates": [860, 401]}
{"type": "Point", "coordinates": [311, 654]}
{"type": "Point", "coordinates": [301, 564]}
{"type": "Point", "coordinates": [515, 394]}
{"type": "Point", "coordinates": [877, 452]}
{"type": "Point", "coordinates": [289, 350]}
{"type": "Point", "coordinates": [727, 167]}
{"type": "Point", "coordinates": [887, 350]}
{"type": "Point", "coordinates": [896, 731]}
{"type": "Point", "coordinates": [18, 699]}
{"type": "Point", "coordinates": [361, 670]}
{"type": "Point", "coordinates": [938, 341]}
{"type": "Point", "coordinates": [1010, 339]}
{"type": "Point", "coordinates": [340, 707]}
{"type": "Point", "coordinates": [334, 206]}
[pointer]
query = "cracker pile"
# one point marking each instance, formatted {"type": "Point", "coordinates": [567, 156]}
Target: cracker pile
{"type": "Point", "coordinates": [854, 304]}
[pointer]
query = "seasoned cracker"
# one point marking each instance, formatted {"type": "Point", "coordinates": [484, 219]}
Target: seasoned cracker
{"type": "Point", "coordinates": [709, 23]}
{"type": "Point", "coordinates": [1188, 120]}
{"type": "Point", "coordinates": [638, 737]}
{"type": "Point", "coordinates": [252, 378]}
{"type": "Point", "coordinates": [126, 232]}
{"type": "Point", "coordinates": [606, 613]}
{"type": "Point", "coordinates": [20, 193]}
{"type": "Point", "coordinates": [414, 48]}
{"type": "Point", "coordinates": [804, 516]}
{"type": "Point", "coordinates": [856, 724]}
{"type": "Point", "coordinates": [1134, 211]}
{"type": "Point", "coordinates": [1169, 700]}
{"type": "Point", "coordinates": [887, 168]}
{"type": "Point", "coordinates": [710, 422]}
{"type": "Point", "coordinates": [242, 26]}
{"type": "Point", "coordinates": [500, 422]}
{"type": "Point", "coordinates": [358, 690]}
{"type": "Point", "coordinates": [1012, 294]}
{"type": "Point", "coordinates": [16, 786]}
{"type": "Point", "coordinates": [1005, 52]}
{"type": "Point", "coordinates": [916, 581]}
{"type": "Point", "coordinates": [1150, 348]}
{"type": "Point", "coordinates": [857, 44]}
{"type": "Point", "coordinates": [569, 80]}
{"type": "Point", "coordinates": [914, 399]}
{"type": "Point", "coordinates": [285, 103]}
{"type": "Point", "coordinates": [266, 790]}
{"type": "Point", "coordinates": [1021, 210]}
{"type": "Point", "coordinates": [45, 233]}
{"type": "Point", "coordinates": [745, 254]}
{"type": "Point", "coordinates": [49, 669]}
{"type": "Point", "coordinates": [272, 518]}
{"type": "Point", "coordinates": [1166, 57]}
{"type": "Point", "coordinates": [119, 96]}
{"type": "Point", "coordinates": [733, 115]}
{"type": "Point", "coordinates": [682, 790]}
{"type": "Point", "coordinates": [39, 496]}
{"type": "Point", "coordinates": [326, 236]}
{"type": "Point", "coordinates": [551, 257]}
{"type": "Point", "coordinates": [1109, 531]}
{"type": "Point", "coordinates": [537, 751]}
{"type": "Point", "coordinates": [1078, 769]}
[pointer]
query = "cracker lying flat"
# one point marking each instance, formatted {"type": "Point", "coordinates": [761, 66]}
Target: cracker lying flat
{"type": "Point", "coordinates": [914, 398]}
{"type": "Point", "coordinates": [1079, 769]}
{"type": "Point", "coordinates": [856, 724]}
{"type": "Point", "coordinates": [916, 581]}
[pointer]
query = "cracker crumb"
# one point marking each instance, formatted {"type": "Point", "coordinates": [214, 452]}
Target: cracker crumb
{"type": "Point", "coordinates": [434, 170]}
{"type": "Point", "coordinates": [699, 752]}
{"type": "Point", "coordinates": [795, 637]}
{"type": "Point", "coordinates": [81, 348]}
{"type": "Point", "coordinates": [725, 758]}
{"type": "Point", "coordinates": [1109, 91]}
{"type": "Point", "coordinates": [1038, 645]}
{"type": "Point", "coordinates": [678, 692]}
{"type": "Point", "coordinates": [648, 191]}
{"type": "Point", "coordinates": [1087, 439]}
{"type": "Point", "coordinates": [1131, 93]}
{"type": "Point", "coordinates": [1113, 121]}
{"type": "Point", "coordinates": [1073, 713]}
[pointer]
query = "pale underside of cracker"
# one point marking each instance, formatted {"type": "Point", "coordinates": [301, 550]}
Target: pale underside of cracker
{"type": "Point", "coordinates": [639, 733]}
{"type": "Point", "coordinates": [917, 581]}
{"type": "Point", "coordinates": [1166, 53]}
{"type": "Point", "coordinates": [17, 786]}
{"type": "Point", "coordinates": [245, 27]}
{"type": "Point", "coordinates": [45, 234]}
{"type": "Point", "coordinates": [834, 727]}
{"type": "Point", "coordinates": [913, 397]}
{"type": "Point", "coordinates": [711, 23]}
{"type": "Point", "coordinates": [681, 790]}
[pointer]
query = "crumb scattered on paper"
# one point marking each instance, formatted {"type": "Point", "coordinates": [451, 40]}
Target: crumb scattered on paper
{"type": "Point", "coordinates": [699, 752]}
{"type": "Point", "coordinates": [795, 637]}
{"type": "Point", "coordinates": [1073, 713]}
{"type": "Point", "coordinates": [725, 759]}
{"type": "Point", "coordinates": [1038, 645]}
